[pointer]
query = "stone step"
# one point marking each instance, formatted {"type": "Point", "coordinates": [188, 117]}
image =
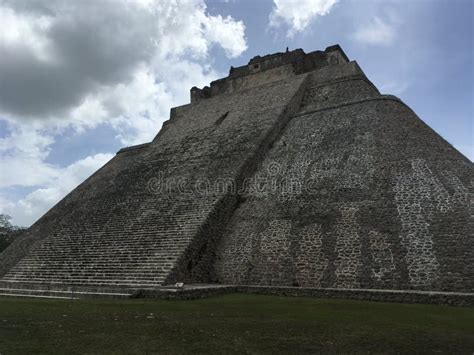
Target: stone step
{"type": "Point", "coordinates": [107, 254]}
{"type": "Point", "coordinates": [88, 283]}
{"type": "Point", "coordinates": [107, 278]}
{"type": "Point", "coordinates": [96, 274]}
{"type": "Point", "coordinates": [172, 240]}
{"type": "Point", "coordinates": [60, 294]}
{"type": "Point", "coordinates": [123, 268]}
{"type": "Point", "coordinates": [136, 265]}
{"type": "Point", "coordinates": [153, 277]}
{"type": "Point", "coordinates": [119, 246]}
{"type": "Point", "coordinates": [116, 278]}
{"type": "Point", "coordinates": [33, 296]}
{"type": "Point", "coordinates": [115, 248]}
{"type": "Point", "coordinates": [127, 269]}
{"type": "Point", "coordinates": [130, 243]}
{"type": "Point", "coordinates": [133, 267]}
{"type": "Point", "coordinates": [73, 257]}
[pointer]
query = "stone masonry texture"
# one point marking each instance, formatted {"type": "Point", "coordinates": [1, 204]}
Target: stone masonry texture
{"type": "Point", "coordinates": [292, 171]}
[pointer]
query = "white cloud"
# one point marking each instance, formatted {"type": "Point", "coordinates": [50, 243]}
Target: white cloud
{"type": "Point", "coordinates": [32, 206]}
{"type": "Point", "coordinates": [148, 103]}
{"type": "Point", "coordinates": [376, 32]}
{"type": "Point", "coordinates": [82, 64]}
{"type": "Point", "coordinates": [25, 30]}
{"type": "Point", "coordinates": [228, 33]}
{"type": "Point", "coordinates": [298, 14]}
{"type": "Point", "coordinates": [53, 58]}
{"type": "Point", "coordinates": [395, 87]}
{"type": "Point", "coordinates": [22, 156]}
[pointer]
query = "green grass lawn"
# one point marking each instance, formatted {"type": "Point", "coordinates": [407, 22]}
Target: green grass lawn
{"type": "Point", "coordinates": [232, 324]}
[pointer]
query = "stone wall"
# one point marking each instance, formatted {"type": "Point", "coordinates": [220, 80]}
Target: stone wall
{"type": "Point", "coordinates": [442, 298]}
{"type": "Point", "coordinates": [270, 68]}
{"type": "Point", "coordinates": [357, 193]}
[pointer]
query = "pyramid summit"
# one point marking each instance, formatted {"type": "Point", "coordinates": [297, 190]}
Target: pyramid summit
{"type": "Point", "coordinates": [292, 171]}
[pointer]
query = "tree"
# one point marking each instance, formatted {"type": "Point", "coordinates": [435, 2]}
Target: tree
{"type": "Point", "coordinates": [8, 232]}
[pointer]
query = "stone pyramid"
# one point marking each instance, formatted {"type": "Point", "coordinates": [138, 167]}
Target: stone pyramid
{"type": "Point", "coordinates": [294, 170]}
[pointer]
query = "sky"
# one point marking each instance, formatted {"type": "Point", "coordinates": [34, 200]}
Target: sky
{"type": "Point", "coordinates": [81, 79]}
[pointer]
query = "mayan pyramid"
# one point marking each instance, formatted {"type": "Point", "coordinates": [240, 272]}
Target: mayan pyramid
{"type": "Point", "coordinates": [293, 170]}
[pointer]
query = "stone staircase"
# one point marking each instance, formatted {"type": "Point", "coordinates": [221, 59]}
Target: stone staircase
{"type": "Point", "coordinates": [109, 254]}
{"type": "Point", "coordinates": [44, 290]}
